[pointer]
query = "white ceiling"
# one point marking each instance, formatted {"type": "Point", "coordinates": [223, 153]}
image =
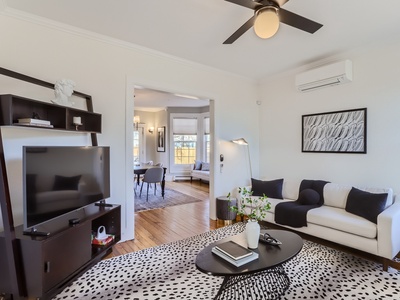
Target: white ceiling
{"type": "Point", "coordinates": [152, 100]}
{"type": "Point", "coordinates": [194, 30]}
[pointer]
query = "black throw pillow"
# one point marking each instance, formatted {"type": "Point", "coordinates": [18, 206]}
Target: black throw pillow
{"type": "Point", "coordinates": [308, 197]}
{"type": "Point", "coordinates": [271, 189]}
{"type": "Point", "coordinates": [365, 204]}
{"type": "Point", "coordinates": [62, 183]}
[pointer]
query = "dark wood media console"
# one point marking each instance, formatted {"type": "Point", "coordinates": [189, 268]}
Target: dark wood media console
{"type": "Point", "coordinates": [51, 263]}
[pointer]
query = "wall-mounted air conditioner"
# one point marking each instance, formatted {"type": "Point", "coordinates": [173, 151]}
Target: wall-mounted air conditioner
{"type": "Point", "coordinates": [333, 74]}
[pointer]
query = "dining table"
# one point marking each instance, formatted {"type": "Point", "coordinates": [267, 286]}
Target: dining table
{"type": "Point", "coordinates": [141, 169]}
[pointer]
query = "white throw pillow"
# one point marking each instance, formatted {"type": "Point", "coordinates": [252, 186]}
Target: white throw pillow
{"type": "Point", "coordinates": [335, 194]}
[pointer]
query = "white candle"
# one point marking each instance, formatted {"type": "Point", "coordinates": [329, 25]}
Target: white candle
{"type": "Point", "coordinates": [77, 120]}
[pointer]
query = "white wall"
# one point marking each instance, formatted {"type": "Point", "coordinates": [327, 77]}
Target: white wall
{"type": "Point", "coordinates": [376, 86]}
{"type": "Point", "coordinates": [148, 120]}
{"type": "Point", "coordinates": [107, 70]}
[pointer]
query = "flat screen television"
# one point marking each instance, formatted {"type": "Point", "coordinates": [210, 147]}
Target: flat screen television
{"type": "Point", "coordinates": [60, 179]}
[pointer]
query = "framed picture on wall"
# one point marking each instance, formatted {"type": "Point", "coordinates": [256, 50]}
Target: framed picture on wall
{"type": "Point", "coordinates": [161, 139]}
{"type": "Point", "coordinates": [335, 132]}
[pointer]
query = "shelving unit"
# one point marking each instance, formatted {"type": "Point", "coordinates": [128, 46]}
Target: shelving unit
{"type": "Point", "coordinates": [61, 117]}
{"type": "Point", "coordinates": [40, 267]}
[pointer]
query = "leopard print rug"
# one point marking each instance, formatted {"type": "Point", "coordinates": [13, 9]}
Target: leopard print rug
{"type": "Point", "coordinates": [169, 272]}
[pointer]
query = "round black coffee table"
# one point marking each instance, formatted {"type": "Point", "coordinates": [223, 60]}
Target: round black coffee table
{"type": "Point", "coordinates": [264, 276]}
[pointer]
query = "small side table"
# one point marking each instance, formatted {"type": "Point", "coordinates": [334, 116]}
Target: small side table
{"type": "Point", "coordinates": [223, 211]}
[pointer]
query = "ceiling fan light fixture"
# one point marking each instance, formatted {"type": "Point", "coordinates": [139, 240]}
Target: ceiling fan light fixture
{"type": "Point", "coordinates": [267, 22]}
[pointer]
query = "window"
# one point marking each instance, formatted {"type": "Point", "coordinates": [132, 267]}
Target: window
{"type": "Point", "coordinates": [206, 139]}
{"type": "Point", "coordinates": [185, 140]}
{"type": "Point", "coordinates": [190, 141]}
{"type": "Point", "coordinates": [139, 145]}
{"type": "Point", "coordinates": [185, 148]}
{"type": "Point", "coordinates": [136, 147]}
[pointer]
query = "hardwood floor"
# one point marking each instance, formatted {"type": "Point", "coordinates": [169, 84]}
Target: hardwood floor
{"type": "Point", "coordinates": [159, 226]}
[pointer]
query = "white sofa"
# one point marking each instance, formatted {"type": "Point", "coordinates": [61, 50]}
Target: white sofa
{"type": "Point", "coordinates": [332, 222]}
{"type": "Point", "coordinates": [200, 170]}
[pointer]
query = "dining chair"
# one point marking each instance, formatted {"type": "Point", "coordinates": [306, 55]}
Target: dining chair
{"type": "Point", "coordinates": [152, 175]}
{"type": "Point", "coordinates": [144, 164]}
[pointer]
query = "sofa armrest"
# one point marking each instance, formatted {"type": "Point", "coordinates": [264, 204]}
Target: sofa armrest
{"type": "Point", "coordinates": [389, 231]}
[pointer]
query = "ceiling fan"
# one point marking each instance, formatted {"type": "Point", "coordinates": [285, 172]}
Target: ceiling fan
{"type": "Point", "coordinates": [267, 15]}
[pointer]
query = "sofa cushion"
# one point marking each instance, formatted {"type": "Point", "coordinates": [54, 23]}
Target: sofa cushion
{"type": "Point", "coordinates": [389, 191]}
{"type": "Point", "coordinates": [205, 175]}
{"type": "Point", "coordinates": [316, 185]}
{"type": "Point", "coordinates": [197, 165]}
{"type": "Point", "coordinates": [308, 197]}
{"type": "Point", "coordinates": [365, 204]}
{"type": "Point", "coordinates": [272, 188]}
{"type": "Point", "coordinates": [339, 219]}
{"type": "Point", "coordinates": [335, 195]}
{"type": "Point", "coordinates": [291, 189]}
{"type": "Point", "coordinates": [205, 166]}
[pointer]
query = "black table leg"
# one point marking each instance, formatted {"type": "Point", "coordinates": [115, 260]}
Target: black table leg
{"type": "Point", "coordinates": [269, 284]}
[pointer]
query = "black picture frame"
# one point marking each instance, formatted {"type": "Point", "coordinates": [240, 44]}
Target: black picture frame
{"type": "Point", "coordinates": [343, 131]}
{"type": "Point", "coordinates": [161, 139]}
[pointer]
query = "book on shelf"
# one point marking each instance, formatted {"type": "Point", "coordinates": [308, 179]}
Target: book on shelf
{"type": "Point", "coordinates": [234, 250]}
{"type": "Point", "coordinates": [34, 121]}
{"type": "Point", "coordinates": [35, 125]}
{"type": "Point", "coordinates": [235, 262]}
{"type": "Point", "coordinates": [110, 238]}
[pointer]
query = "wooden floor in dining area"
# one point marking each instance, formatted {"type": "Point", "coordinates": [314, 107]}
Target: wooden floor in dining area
{"type": "Point", "coordinates": [160, 226]}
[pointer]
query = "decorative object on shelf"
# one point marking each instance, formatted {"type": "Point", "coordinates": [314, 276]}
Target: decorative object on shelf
{"type": "Point", "coordinates": [77, 122]}
{"type": "Point", "coordinates": [34, 122]}
{"type": "Point", "coordinates": [101, 233]}
{"type": "Point", "coordinates": [335, 132]}
{"type": "Point", "coordinates": [102, 238]}
{"type": "Point", "coordinates": [161, 139]}
{"type": "Point", "coordinates": [242, 141]}
{"type": "Point", "coordinates": [255, 208]}
{"type": "Point", "coordinates": [63, 90]}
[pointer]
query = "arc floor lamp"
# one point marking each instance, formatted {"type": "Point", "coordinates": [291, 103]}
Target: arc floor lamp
{"type": "Point", "coordinates": [242, 141]}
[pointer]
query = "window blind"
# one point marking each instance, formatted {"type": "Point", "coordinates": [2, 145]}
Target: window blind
{"type": "Point", "coordinates": [184, 126]}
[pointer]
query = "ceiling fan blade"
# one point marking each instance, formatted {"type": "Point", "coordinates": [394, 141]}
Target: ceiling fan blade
{"type": "Point", "coordinates": [297, 21]}
{"type": "Point", "coordinates": [246, 3]}
{"type": "Point", "coordinates": [238, 33]}
{"type": "Point", "coordinates": [278, 3]}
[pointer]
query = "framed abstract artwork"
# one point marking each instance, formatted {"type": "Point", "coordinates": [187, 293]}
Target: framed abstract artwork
{"type": "Point", "coordinates": [161, 139]}
{"type": "Point", "coordinates": [335, 132]}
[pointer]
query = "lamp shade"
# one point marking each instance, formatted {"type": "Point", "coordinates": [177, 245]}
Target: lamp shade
{"type": "Point", "coordinates": [267, 22]}
{"type": "Point", "coordinates": [240, 141]}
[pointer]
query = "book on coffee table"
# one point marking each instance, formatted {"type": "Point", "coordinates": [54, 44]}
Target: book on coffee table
{"type": "Point", "coordinates": [234, 253]}
{"type": "Point", "coordinates": [237, 262]}
{"type": "Point", "coordinates": [233, 250]}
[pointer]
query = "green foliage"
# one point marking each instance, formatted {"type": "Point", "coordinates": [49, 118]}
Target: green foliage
{"type": "Point", "coordinates": [255, 208]}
